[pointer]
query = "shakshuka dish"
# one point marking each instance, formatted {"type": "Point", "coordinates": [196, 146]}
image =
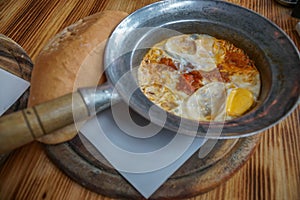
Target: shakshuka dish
{"type": "Point", "coordinates": [199, 77]}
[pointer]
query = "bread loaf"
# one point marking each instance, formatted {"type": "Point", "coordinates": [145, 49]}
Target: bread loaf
{"type": "Point", "coordinates": [72, 59]}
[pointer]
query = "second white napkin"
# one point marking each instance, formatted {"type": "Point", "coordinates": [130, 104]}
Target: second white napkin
{"type": "Point", "coordinates": [145, 159]}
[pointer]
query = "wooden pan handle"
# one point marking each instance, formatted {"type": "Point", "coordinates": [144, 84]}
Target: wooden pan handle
{"type": "Point", "coordinates": [24, 126]}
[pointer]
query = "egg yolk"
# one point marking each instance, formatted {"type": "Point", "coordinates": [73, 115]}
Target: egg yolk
{"type": "Point", "coordinates": [239, 101]}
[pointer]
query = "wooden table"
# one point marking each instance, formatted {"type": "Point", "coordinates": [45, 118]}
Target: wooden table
{"type": "Point", "coordinates": [273, 171]}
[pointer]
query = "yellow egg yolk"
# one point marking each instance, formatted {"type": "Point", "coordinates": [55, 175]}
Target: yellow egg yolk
{"type": "Point", "coordinates": [239, 101]}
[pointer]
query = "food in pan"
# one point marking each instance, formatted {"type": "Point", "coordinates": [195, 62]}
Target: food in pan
{"type": "Point", "coordinates": [200, 77]}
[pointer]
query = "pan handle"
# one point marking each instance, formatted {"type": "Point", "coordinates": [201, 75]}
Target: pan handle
{"type": "Point", "coordinates": [99, 98]}
{"type": "Point", "coordinates": [24, 126]}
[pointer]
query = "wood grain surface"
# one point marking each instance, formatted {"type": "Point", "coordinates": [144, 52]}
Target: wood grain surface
{"type": "Point", "coordinates": [273, 171]}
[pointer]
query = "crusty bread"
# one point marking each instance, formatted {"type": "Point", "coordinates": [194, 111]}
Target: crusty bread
{"type": "Point", "coordinates": [72, 59]}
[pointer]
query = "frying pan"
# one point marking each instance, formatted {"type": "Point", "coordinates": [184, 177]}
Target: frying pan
{"type": "Point", "coordinates": [274, 54]}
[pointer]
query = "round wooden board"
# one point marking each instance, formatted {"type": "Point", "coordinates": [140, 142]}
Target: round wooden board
{"type": "Point", "coordinates": [196, 176]}
{"type": "Point", "coordinates": [15, 60]}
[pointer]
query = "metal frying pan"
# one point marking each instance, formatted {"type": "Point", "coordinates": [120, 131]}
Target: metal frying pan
{"type": "Point", "coordinates": [274, 53]}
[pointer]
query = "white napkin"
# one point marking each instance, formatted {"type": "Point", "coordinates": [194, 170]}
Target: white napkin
{"type": "Point", "coordinates": [142, 157]}
{"type": "Point", "coordinates": [12, 87]}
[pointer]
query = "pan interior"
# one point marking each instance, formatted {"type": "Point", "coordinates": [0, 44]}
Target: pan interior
{"type": "Point", "coordinates": [220, 31]}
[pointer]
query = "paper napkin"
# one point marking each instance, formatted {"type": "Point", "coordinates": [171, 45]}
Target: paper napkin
{"type": "Point", "coordinates": [142, 157]}
{"type": "Point", "coordinates": [12, 87]}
